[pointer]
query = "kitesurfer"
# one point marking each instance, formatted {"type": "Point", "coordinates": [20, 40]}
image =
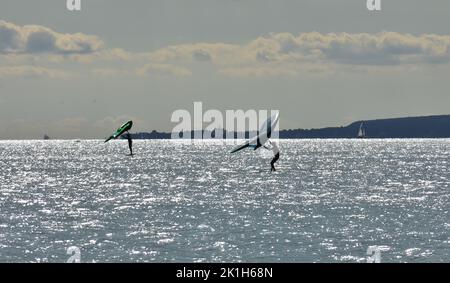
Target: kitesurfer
{"type": "Point", "coordinates": [276, 154]}
{"type": "Point", "coordinates": [130, 143]}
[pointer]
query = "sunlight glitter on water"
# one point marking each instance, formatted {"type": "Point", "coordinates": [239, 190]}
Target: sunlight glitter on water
{"type": "Point", "coordinates": [176, 201]}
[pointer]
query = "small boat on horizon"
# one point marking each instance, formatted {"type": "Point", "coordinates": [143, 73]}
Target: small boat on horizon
{"type": "Point", "coordinates": [361, 132]}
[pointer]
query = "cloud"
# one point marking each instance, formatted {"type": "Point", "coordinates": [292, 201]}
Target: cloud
{"type": "Point", "coordinates": [32, 72]}
{"type": "Point", "coordinates": [286, 54]}
{"type": "Point", "coordinates": [105, 55]}
{"type": "Point", "coordinates": [34, 39]}
{"type": "Point", "coordinates": [10, 37]}
{"type": "Point", "coordinates": [163, 70]}
{"type": "Point", "coordinates": [211, 52]}
{"type": "Point", "coordinates": [385, 48]}
{"type": "Point", "coordinates": [274, 54]}
{"type": "Point", "coordinates": [201, 55]}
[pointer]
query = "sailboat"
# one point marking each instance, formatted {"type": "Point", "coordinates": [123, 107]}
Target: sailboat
{"type": "Point", "coordinates": [361, 132]}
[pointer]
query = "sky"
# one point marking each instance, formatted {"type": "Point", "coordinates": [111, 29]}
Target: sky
{"type": "Point", "coordinates": [81, 74]}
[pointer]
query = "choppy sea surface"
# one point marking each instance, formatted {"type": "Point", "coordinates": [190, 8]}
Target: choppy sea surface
{"type": "Point", "coordinates": [329, 201]}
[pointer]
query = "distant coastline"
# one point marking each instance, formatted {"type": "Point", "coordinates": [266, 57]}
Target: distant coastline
{"type": "Point", "coordinates": [437, 126]}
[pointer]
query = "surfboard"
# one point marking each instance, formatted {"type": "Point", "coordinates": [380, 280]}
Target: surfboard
{"type": "Point", "coordinates": [125, 127]}
{"type": "Point", "coordinates": [263, 135]}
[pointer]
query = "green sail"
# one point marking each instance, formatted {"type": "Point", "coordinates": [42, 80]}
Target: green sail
{"type": "Point", "coordinates": [125, 127]}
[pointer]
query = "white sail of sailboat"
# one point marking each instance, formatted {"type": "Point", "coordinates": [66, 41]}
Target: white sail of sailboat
{"type": "Point", "coordinates": [362, 131]}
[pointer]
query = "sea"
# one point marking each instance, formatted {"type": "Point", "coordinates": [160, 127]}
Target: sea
{"type": "Point", "coordinates": [338, 200]}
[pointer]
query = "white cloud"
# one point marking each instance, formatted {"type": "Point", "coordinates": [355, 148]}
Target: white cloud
{"type": "Point", "coordinates": [385, 48]}
{"type": "Point", "coordinates": [203, 52]}
{"type": "Point", "coordinates": [34, 39]}
{"type": "Point", "coordinates": [275, 54]}
{"type": "Point", "coordinates": [163, 70]}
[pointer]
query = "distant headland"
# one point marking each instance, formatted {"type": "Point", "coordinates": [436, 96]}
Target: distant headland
{"type": "Point", "coordinates": [408, 127]}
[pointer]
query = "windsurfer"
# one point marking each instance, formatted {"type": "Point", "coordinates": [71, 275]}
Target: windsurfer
{"type": "Point", "coordinates": [130, 143]}
{"type": "Point", "coordinates": [276, 153]}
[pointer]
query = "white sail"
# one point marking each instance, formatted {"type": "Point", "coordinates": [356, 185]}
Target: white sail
{"type": "Point", "coordinates": [361, 132]}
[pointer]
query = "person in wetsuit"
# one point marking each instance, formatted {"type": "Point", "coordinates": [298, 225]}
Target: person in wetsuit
{"type": "Point", "coordinates": [130, 143]}
{"type": "Point", "coordinates": [276, 154]}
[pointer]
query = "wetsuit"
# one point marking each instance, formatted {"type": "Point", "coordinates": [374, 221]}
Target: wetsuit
{"type": "Point", "coordinates": [130, 143]}
{"type": "Point", "coordinates": [276, 153]}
